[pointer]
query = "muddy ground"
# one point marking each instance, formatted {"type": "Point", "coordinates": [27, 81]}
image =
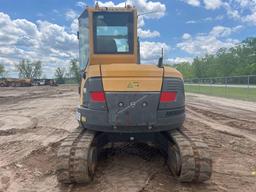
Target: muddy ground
{"type": "Point", "coordinates": [34, 120]}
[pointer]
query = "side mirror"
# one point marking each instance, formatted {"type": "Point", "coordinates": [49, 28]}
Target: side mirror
{"type": "Point", "coordinates": [161, 59]}
{"type": "Point", "coordinates": [160, 62]}
{"type": "Point", "coordinates": [83, 75]}
{"type": "Point", "coordinates": [78, 35]}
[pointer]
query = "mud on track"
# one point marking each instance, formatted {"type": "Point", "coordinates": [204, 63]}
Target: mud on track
{"type": "Point", "coordinates": [34, 120]}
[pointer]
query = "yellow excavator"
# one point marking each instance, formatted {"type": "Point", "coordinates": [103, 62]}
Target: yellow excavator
{"type": "Point", "coordinates": [122, 100]}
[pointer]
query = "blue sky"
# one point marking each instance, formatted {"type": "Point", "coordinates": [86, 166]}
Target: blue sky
{"type": "Point", "coordinates": [46, 29]}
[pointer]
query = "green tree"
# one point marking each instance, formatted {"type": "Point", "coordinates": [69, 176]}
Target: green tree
{"type": "Point", "coordinates": [59, 74]}
{"type": "Point", "coordinates": [2, 70]}
{"type": "Point", "coordinates": [74, 70]}
{"type": "Point", "coordinates": [186, 69]}
{"type": "Point", "coordinates": [29, 69]}
{"type": "Point", "coordinates": [235, 61]}
{"type": "Point", "coordinates": [252, 69]}
{"type": "Point", "coordinates": [198, 67]}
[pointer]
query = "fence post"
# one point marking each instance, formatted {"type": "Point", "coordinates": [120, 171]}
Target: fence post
{"type": "Point", "coordinates": [248, 87]}
{"type": "Point", "coordinates": [226, 86]}
{"type": "Point", "coordinates": [211, 82]}
{"type": "Point", "coordinates": [199, 85]}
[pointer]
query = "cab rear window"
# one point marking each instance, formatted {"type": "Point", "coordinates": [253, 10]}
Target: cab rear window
{"type": "Point", "coordinates": [113, 33]}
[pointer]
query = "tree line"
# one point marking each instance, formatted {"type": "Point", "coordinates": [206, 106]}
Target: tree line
{"type": "Point", "coordinates": [64, 76]}
{"type": "Point", "coordinates": [28, 69]}
{"type": "Point", "coordinates": [235, 61]}
{"type": "Point", "coordinates": [2, 70]}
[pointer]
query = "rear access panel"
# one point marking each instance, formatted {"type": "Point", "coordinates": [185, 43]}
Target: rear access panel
{"type": "Point", "coordinates": [131, 78]}
{"type": "Point", "coordinates": [132, 109]}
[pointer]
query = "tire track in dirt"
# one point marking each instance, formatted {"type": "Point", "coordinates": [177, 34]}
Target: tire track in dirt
{"type": "Point", "coordinates": [248, 124]}
{"type": "Point", "coordinates": [214, 123]}
{"type": "Point", "coordinates": [233, 158]}
{"type": "Point", "coordinates": [32, 122]}
{"type": "Point", "coordinates": [11, 124]}
{"type": "Point", "coordinates": [35, 172]}
{"type": "Point", "coordinates": [8, 95]}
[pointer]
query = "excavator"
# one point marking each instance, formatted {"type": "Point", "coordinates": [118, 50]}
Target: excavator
{"type": "Point", "coordinates": [122, 100]}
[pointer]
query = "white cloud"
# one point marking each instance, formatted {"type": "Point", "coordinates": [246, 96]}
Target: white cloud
{"type": "Point", "coordinates": [250, 18]}
{"type": "Point", "coordinates": [156, 8]}
{"type": "Point", "coordinates": [151, 51]}
{"type": "Point", "coordinates": [147, 33]}
{"type": "Point", "coordinates": [71, 14]}
{"type": "Point", "coordinates": [232, 13]}
{"type": "Point", "coordinates": [144, 6]}
{"type": "Point", "coordinates": [239, 10]}
{"type": "Point", "coordinates": [148, 9]}
{"type": "Point", "coordinates": [74, 26]}
{"type": "Point", "coordinates": [45, 41]}
{"type": "Point", "coordinates": [141, 22]}
{"type": "Point", "coordinates": [209, 43]}
{"type": "Point", "coordinates": [242, 10]}
{"type": "Point", "coordinates": [208, 4]}
{"type": "Point", "coordinates": [81, 4]}
{"type": "Point", "coordinates": [179, 60]}
{"type": "Point", "coordinates": [221, 31]}
{"type": "Point", "coordinates": [186, 36]}
{"type": "Point", "coordinates": [191, 22]}
{"type": "Point", "coordinates": [72, 17]}
{"type": "Point", "coordinates": [207, 19]}
{"type": "Point", "coordinates": [110, 4]}
{"type": "Point", "coordinates": [212, 4]}
{"type": "Point", "coordinates": [55, 37]}
{"type": "Point", "coordinates": [195, 3]}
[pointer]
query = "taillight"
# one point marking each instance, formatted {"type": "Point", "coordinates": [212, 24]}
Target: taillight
{"type": "Point", "coordinates": [167, 97]}
{"type": "Point", "coordinates": [98, 96]}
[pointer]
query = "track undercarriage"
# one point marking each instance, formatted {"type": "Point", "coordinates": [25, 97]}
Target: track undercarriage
{"type": "Point", "coordinates": [186, 155]}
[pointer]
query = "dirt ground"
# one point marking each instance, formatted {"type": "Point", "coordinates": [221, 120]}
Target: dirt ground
{"type": "Point", "coordinates": [34, 120]}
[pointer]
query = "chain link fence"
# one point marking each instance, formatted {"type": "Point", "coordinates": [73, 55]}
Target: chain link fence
{"type": "Point", "coordinates": [236, 87]}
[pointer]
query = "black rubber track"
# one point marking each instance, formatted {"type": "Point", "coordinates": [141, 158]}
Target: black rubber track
{"type": "Point", "coordinates": [72, 165]}
{"type": "Point", "coordinates": [188, 157]}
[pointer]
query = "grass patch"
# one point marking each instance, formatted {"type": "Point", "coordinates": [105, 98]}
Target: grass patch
{"type": "Point", "coordinates": [241, 93]}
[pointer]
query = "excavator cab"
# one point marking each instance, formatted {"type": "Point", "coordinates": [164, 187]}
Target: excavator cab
{"type": "Point", "coordinates": [108, 36]}
{"type": "Point", "coordinates": [122, 100]}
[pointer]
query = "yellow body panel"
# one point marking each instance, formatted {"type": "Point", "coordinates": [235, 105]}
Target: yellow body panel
{"type": "Point", "coordinates": [132, 84]}
{"type": "Point", "coordinates": [82, 90]}
{"type": "Point", "coordinates": [131, 77]}
{"type": "Point", "coordinates": [93, 71]}
{"type": "Point", "coordinates": [131, 70]}
{"type": "Point", "coordinates": [172, 72]}
{"type": "Point", "coordinates": [110, 59]}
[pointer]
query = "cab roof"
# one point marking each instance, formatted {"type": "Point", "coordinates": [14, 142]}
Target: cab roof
{"type": "Point", "coordinates": [108, 9]}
